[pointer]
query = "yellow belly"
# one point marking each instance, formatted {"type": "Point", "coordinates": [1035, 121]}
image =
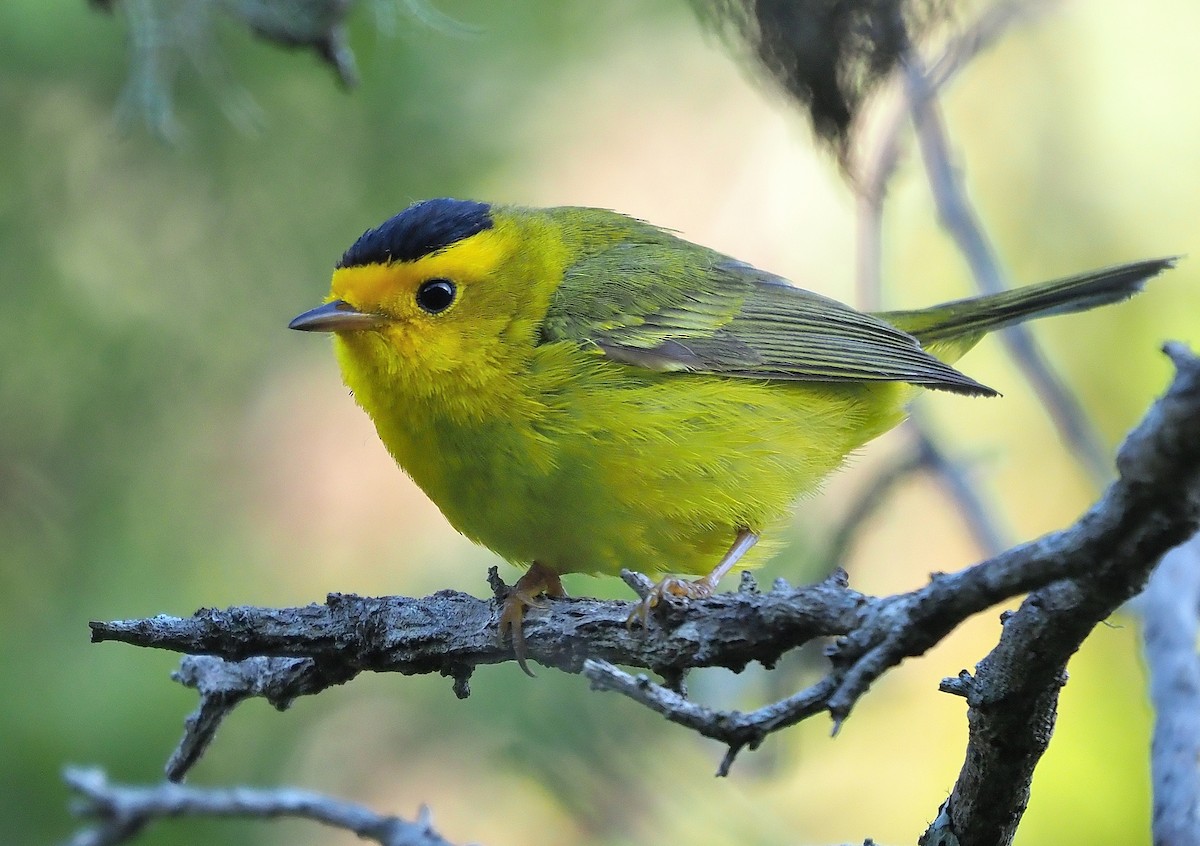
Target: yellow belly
{"type": "Point", "coordinates": [599, 465]}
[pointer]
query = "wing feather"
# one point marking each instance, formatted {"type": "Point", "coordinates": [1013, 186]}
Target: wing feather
{"type": "Point", "coordinates": [700, 311]}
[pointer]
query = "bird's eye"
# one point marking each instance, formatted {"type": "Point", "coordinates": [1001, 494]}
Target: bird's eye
{"type": "Point", "coordinates": [436, 295]}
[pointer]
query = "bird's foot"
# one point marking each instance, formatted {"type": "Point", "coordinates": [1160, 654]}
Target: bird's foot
{"type": "Point", "coordinates": [670, 586]}
{"type": "Point", "coordinates": [536, 582]}
{"type": "Point", "coordinates": [700, 588]}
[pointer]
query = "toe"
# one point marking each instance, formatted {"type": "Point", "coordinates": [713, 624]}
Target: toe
{"type": "Point", "coordinates": [641, 612]}
{"type": "Point", "coordinates": [672, 587]}
{"type": "Point", "coordinates": [512, 618]}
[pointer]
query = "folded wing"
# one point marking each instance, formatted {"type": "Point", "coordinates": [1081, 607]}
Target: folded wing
{"type": "Point", "coordinates": [702, 312]}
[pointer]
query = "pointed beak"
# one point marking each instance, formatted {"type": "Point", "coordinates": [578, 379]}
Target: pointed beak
{"type": "Point", "coordinates": [336, 316]}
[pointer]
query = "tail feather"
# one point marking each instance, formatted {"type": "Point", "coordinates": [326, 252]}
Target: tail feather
{"type": "Point", "coordinates": [976, 316]}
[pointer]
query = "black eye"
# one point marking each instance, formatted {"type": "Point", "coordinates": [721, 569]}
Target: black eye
{"type": "Point", "coordinates": [436, 295]}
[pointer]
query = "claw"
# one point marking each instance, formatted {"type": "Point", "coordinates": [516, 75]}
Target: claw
{"type": "Point", "coordinates": [684, 589]}
{"type": "Point", "coordinates": [670, 586]}
{"type": "Point", "coordinates": [538, 580]}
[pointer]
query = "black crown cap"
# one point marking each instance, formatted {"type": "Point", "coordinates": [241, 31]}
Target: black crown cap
{"type": "Point", "coordinates": [420, 230]}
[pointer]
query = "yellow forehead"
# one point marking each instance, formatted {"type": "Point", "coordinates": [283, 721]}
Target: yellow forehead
{"type": "Point", "coordinates": [390, 286]}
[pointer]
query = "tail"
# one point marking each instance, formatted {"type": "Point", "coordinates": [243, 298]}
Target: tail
{"type": "Point", "coordinates": [950, 329]}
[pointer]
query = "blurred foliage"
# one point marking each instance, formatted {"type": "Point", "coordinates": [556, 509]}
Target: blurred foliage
{"type": "Point", "coordinates": [829, 56]}
{"type": "Point", "coordinates": [165, 443]}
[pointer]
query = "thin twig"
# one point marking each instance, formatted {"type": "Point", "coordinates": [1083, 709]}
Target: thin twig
{"type": "Point", "coordinates": [865, 505]}
{"type": "Point", "coordinates": [125, 810]}
{"type": "Point", "coordinates": [223, 685]}
{"type": "Point", "coordinates": [953, 476]}
{"type": "Point", "coordinates": [736, 729]}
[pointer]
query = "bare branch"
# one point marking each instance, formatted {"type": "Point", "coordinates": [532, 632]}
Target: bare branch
{"type": "Point", "coordinates": [125, 810]}
{"type": "Point", "coordinates": [1169, 609]}
{"type": "Point", "coordinates": [451, 633]}
{"type": "Point", "coordinates": [734, 728]}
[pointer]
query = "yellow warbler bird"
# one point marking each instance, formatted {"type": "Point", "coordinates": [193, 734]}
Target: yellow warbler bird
{"type": "Point", "coordinates": [580, 391]}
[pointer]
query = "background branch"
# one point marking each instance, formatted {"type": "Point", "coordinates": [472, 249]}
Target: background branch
{"type": "Point", "coordinates": [874, 174]}
{"type": "Point", "coordinates": [878, 164]}
{"type": "Point", "coordinates": [125, 810]}
{"type": "Point", "coordinates": [956, 480]}
{"type": "Point", "coordinates": [959, 219]}
{"type": "Point", "coordinates": [1169, 609]}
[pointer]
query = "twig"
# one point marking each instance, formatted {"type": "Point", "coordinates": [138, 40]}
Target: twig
{"type": "Point", "coordinates": [952, 475]}
{"type": "Point", "coordinates": [223, 685]}
{"type": "Point", "coordinates": [125, 810]}
{"type": "Point", "coordinates": [1169, 609]}
{"type": "Point", "coordinates": [733, 728]}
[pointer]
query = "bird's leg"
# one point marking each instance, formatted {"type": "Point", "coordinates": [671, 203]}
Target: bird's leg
{"type": "Point", "coordinates": [537, 580]}
{"type": "Point", "coordinates": [698, 589]}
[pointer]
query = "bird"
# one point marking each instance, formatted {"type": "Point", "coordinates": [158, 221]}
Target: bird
{"type": "Point", "coordinates": [581, 391]}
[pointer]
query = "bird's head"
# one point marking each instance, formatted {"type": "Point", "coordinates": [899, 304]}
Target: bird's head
{"type": "Point", "coordinates": [446, 290]}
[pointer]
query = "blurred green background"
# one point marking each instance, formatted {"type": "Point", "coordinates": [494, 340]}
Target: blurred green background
{"type": "Point", "coordinates": [165, 443]}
